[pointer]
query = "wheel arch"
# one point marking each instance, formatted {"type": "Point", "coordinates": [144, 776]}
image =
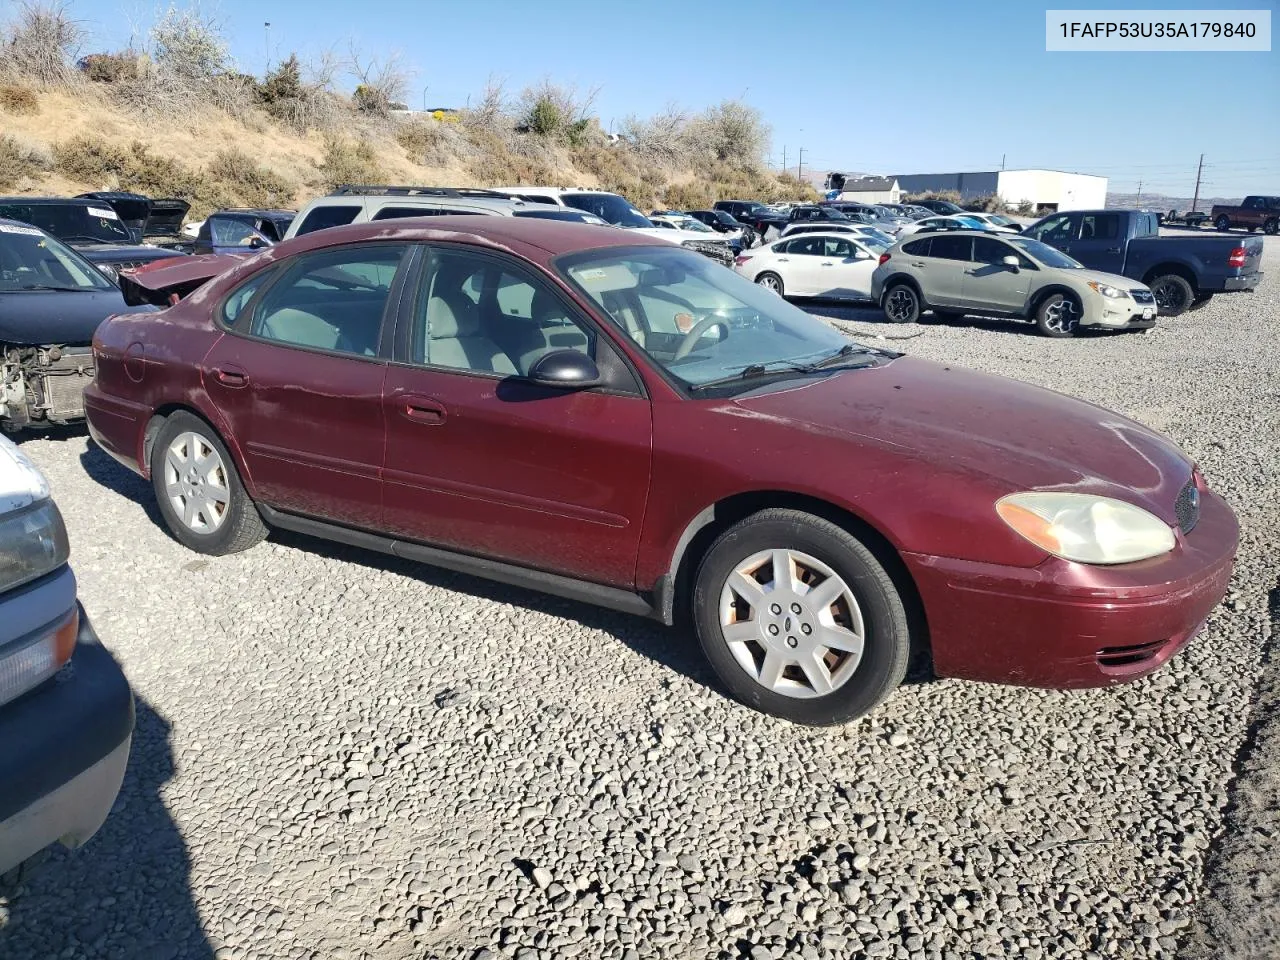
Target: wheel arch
{"type": "Point", "coordinates": [675, 588]}
{"type": "Point", "coordinates": [161, 415]}
{"type": "Point", "coordinates": [1174, 267]}
{"type": "Point", "coordinates": [909, 280]}
{"type": "Point", "coordinates": [1044, 293]}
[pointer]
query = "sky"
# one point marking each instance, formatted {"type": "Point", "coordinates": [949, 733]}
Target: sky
{"type": "Point", "coordinates": [861, 85]}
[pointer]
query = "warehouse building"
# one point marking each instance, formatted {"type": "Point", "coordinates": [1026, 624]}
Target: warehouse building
{"type": "Point", "coordinates": [1045, 190]}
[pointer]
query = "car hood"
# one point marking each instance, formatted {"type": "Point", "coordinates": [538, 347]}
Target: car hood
{"type": "Point", "coordinates": [110, 252]}
{"type": "Point", "coordinates": [43, 317]}
{"type": "Point", "coordinates": [677, 235]}
{"type": "Point", "coordinates": [1114, 279]}
{"type": "Point", "coordinates": [1014, 435]}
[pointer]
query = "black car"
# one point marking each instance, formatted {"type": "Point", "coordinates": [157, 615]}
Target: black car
{"type": "Point", "coordinates": [236, 230]}
{"type": "Point", "coordinates": [722, 221]}
{"type": "Point", "coordinates": [51, 302]}
{"type": "Point", "coordinates": [942, 207]}
{"type": "Point", "coordinates": [143, 216]}
{"type": "Point", "coordinates": [92, 227]}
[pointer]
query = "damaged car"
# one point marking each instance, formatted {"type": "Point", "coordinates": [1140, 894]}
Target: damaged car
{"type": "Point", "coordinates": [51, 302]}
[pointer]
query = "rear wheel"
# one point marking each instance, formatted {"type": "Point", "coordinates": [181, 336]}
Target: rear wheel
{"type": "Point", "coordinates": [1223, 223]}
{"type": "Point", "coordinates": [1174, 294]}
{"type": "Point", "coordinates": [901, 304]}
{"type": "Point", "coordinates": [201, 498]}
{"type": "Point", "coordinates": [1271, 227]}
{"type": "Point", "coordinates": [771, 281]}
{"type": "Point", "coordinates": [1059, 316]}
{"type": "Point", "coordinates": [799, 619]}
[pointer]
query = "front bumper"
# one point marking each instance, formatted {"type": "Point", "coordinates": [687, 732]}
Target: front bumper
{"type": "Point", "coordinates": [64, 747]}
{"type": "Point", "coordinates": [1069, 625]}
{"type": "Point", "coordinates": [1120, 315]}
{"type": "Point", "coordinates": [1246, 283]}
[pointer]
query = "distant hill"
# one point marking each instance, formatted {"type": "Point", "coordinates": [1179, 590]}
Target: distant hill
{"type": "Point", "coordinates": [1160, 201]}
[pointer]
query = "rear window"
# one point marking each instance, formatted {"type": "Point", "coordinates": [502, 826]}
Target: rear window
{"type": "Point", "coordinates": [91, 222]}
{"type": "Point", "coordinates": [393, 213]}
{"type": "Point", "coordinates": [917, 248]}
{"type": "Point", "coordinates": [332, 215]}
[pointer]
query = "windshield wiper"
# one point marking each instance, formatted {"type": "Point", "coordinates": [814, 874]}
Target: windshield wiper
{"type": "Point", "coordinates": [848, 350]}
{"type": "Point", "coordinates": [69, 238]}
{"type": "Point", "coordinates": [46, 286]}
{"type": "Point", "coordinates": [786, 366]}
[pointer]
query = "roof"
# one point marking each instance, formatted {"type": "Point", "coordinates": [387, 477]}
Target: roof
{"type": "Point", "coordinates": [869, 184]}
{"type": "Point", "coordinates": [41, 201]}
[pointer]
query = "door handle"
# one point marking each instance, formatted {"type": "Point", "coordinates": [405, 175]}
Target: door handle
{"type": "Point", "coordinates": [828, 263]}
{"type": "Point", "coordinates": [916, 263]}
{"type": "Point", "coordinates": [231, 377]}
{"type": "Point", "coordinates": [784, 260]}
{"type": "Point", "coordinates": [1113, 249]}
{"type": "Point", "coordinates": [422, 410]}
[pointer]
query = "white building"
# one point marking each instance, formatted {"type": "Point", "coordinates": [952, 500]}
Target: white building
{"type": "Point", "coordinates": [863, 189]}
{"type": "Point", "coordinates": [1045, 190]}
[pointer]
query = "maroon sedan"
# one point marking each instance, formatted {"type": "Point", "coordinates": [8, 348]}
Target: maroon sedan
{"type": "Point", "coordinates": [615, 419]}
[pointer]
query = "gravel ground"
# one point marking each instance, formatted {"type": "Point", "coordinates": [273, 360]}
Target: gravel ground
{"type": "Point", "coordinates": [344, 756]}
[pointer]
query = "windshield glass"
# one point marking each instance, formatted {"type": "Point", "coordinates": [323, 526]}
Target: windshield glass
{"type": "Point", "coordinates": [696, 226]}
{"type": "Point", "coordinates": [1002, 220]}
{"type": "Point", "coordinates": [663, 296]}
{"type": "Point", "coordinates": [560, 213]}
{"type": "Point", "coordinates": [879, 236]}
{"type": "Point", "coordinates": [971, 223]}
{"type": "Point", "coordinates": [609, 207]}
{"type": "Point", "coordinates": [88, 222]}
{"type": "Point", "coordinates": [30, 260]}
{"type": "Point", "coordinates": [1049, 256]}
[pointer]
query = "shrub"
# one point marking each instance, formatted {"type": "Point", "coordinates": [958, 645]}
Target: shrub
{"type": "Point", "coordinates": [40, 44]}
{"type": "Point", "coordinates": [381, 84]}
{"type": "Point", "coordinates": [19, 162]}
{"type": "Point", "coordinates": [349, 161]}
{"type": "Point", "coordinates": [252, 185]}
{"type": "Point", "coordinates": [697, 195]}
{"type": "Point", "coordinates": [732, 132]}
{"type": "Point", "coordinates": [434, 143]}
{"type": "Point", "coordinates": [99, 164]}
{"type": "Point", "coordinates": [296, 103]}
{"type": "Point", "coordinates": [189, 46]}
{"type": "Point", "coordinates": [112, 67]}
{"type": "Point", "coordinates": [18, 100]}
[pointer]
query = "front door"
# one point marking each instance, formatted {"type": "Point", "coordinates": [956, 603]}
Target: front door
{"type": "Point", "coordinates": [299, 376]}
{"type": "Point", "coordinates": [990, 284]}
{"type": "Point", "coordinates": [1097, 244]}
{"type": "Point", "coordinates": [846, 270]}
{"type": "Point", "coordinates": [803, 273]}
{"type": "Point", "coordinates": [480, 460]}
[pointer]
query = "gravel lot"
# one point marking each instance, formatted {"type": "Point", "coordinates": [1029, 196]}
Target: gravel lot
{"type": "Point", "coordinates": [344, 756]}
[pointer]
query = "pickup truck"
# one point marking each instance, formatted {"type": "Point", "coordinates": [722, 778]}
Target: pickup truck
{"type": "Point", "coordinates": [1182, 272]}
{"type": "Point", "coordinates": [1253, 212]}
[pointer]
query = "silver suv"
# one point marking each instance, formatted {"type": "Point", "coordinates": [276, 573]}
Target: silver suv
{"type": "Point", "coordinates": [360, 204]}
{"type": "Point", "coordinates": [968, 271]}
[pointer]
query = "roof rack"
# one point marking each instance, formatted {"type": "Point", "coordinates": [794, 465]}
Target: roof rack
{"type": "Point", "coordinates": [375, 189]}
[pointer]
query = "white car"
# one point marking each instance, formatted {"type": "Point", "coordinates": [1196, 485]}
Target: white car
{"type": "Point", "coordinates": [870, 231]}
{"type": "Point", "coordinates": [682, 221]}
{"type": "Point", "coordinates": [612, 208]}
{"type": "Point", "coordinates": [959, 221]}
{"type": "Point", "coordinates": [996, 221]}
{"type": "Point", "coordinates": [837, 266]}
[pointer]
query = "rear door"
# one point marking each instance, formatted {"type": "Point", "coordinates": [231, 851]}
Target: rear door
{"type": "Point", "coordinates": [1098, 243]}
{"type": "Point", "coordinates": [942, 276]}
{"type": "Point", "coordinates": [847, 269]}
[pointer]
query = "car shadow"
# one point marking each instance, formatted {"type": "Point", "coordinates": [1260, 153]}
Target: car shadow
{"type": "Point", "coordinates": [104, 471]}
{"type": "Point", "coordinates": [70, 431]}
{"type": "Point", "coordinates": [845, 312]}
{"type": "Point", "coordinates": [127, 891]}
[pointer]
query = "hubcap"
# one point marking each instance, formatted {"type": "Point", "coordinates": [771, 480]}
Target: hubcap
{"type": "Point", "coordinates": [900, 304]}
{"type": "Point", "coordinates": [195, 480]}
{"type": "Point", "coordinates": [1168, 296]}
{"type": "Point", "coordinates": [792, 623]}
{"type": "Point", "coordinates": [1061, 316]}
{"type": "Point", "coordinates": [769, 283]}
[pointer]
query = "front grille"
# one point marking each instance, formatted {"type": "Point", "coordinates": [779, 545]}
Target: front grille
{"type": "Point", "coordinates": [62, 384]}
{"type": "Point", "coordinates": [1187, 507]}
{"type": "Point", "coordinates": [1131, 655]}
{"type": "Point", "coordinates": [1142, 296]}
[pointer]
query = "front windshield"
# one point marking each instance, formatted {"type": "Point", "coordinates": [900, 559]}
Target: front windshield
{"type": "Point", "coordinates": [696, 226]}
{"type": "Point", "coordinates": [74, 222]}
{"type": "Point", "coordinates": [1049, 256]}
{"type": "Point", "coordinates": [31, 260]}
{"type": "Point", "coordinates": [1002, 220]}
{"type": "Point", "coordinates": [609, 207]}
{"type": "Point", "coordinates": [879, 236]}
{"type": "Point", "coordinates": [697, 320]}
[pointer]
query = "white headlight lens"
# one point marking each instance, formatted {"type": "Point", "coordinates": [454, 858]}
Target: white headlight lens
{"type": "Point", "coordinates": [1085, 528]}
{"type": "Point", "coordinates": [33, 542]}
{"type": "Point", "coordinates": [1108, 291]}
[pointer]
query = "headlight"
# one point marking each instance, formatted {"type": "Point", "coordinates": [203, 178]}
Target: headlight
{"type": "Point", "coordinates": [1086, 528]}
{"type": "Point", "coordinates": [1108, 291]}
{"type": "Point", "coordinates": [108, 271]}
{"type": "Point", "coordinates": [33, 542]}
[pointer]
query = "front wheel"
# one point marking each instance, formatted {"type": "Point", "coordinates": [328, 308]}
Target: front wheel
{"type": "Point", "coordinates": [799, 619]}
{"type": "Point", "coordinates": [771, 281]}
{"type": "Point", "coordinates": [1223, 223]}
{"type": "Point", "coordinates": [201, 498]}
{"type": "Point", "coordinates": [901, 304]}
{"type": "Point", "coordinates": [1058, 316]}
{"type": "Point", "coordinates": [1174, 294]}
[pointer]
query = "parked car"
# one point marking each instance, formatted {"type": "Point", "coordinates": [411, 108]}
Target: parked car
{"type": "Point", "coordinates": [726, 223]}
{"type": "Point", "coordinates": [831, 266]}
{"type": "Point", "coordinates": [155, 220]}
{"type": "Point", "coordinates": [51, 301]}
{"type": "Point", "coordinates": [232, 230]}
{"type": "Point", "coordinates": [683, 221]}
{"type": "Point", "coordinates": [1254, 213]}
{"type": "Point", "coordinates": [995, 221]}
{"type": "Point", "coordinates": [758, 216]}
{"type": "Point", "coordinates": [1182, 272]}
{"type": "Point", "coordinates": [567, 214]}
{"type": "Point", "coordinates": [886, 219]}
{"type": "Point", "coordinates": [944, 224]}
{"type": "Point", "coordinates": [66, 711]}
{"type": "Point", "coordinates": [610, 417]}
{"type": "Point", "coordinates": [91, 227]}
{"type": "Point", "coordinates": [1005, 275]}
{"type": "Point", "coordinates": [944, 207]}
{"type": "Point", "coordinates": [353, 203]}
{"type": "Point", "coordinates": [870, 233]}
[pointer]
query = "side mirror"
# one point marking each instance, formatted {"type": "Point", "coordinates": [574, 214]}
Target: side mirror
{"type": "Point", "coordinates": [1011, 263]}
{"type": "Point", "coordinates": [257, 243]}
{"type": "Point", "coordinates": [565, 369]}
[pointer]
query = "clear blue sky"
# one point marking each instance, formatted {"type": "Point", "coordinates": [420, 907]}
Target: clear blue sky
{"type": "Point", "coordinates": [873, 86]}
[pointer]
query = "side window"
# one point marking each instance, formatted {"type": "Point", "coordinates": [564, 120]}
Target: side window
{"type": "Point", "coordinates": [477, 314]}
{"type": "Point", "coordinates": [839, 248]}
{"type": "Point", "coordinates": [394, 213]}
{"type": "Point", "coordinates": [229, 233]}
{"type": "Point", "coordinates": [986, 250]}
{"type": "Point", "coordinates": [916, 248]}
{"type": "Point", "coordinates": [233, 306]}
{"type": "Point", "coordinates": [783, 247]}
{"type": "Point", "coordinates": [1253, 203]}
{"type": "Point", "coordinates": [1099, 226]}
{"type": "Point", "coordinates": [1055, 230]}
{"type": "Point", "coordinates": [807, 246]}
{"type": "Point", "coordinates": [321, 218]}
{"type": "Point", "coordinates": [331, 300]}
{"type": "Point", "coordinates": [951, 248]}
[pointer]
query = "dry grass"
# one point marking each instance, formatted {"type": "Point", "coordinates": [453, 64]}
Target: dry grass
{"type": "Point", "coordinates": [349, 161]}
{"type": "Point", "coordinates": [252, 184]}
{"type": "Point", "coordinates": [20, 162]}
{"type": "Point", "coordinates": [20, 101]}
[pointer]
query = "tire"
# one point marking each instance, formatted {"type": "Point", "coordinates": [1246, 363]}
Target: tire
{"type": "Point", "coordinates": [1058, 316]}
{"type": "Point", "coordinates": [211, 529]}
{"type": "Point", "coordinates": [771, 281]}
{"type": "Point", "coordinates": [867, 612]}
{"type": "Point", "coordinates": [1223, 223]}
{"type": "Point", "coordinates": [1174, 294]}
{"type": "Point", "coordinates": [1271, 227]}
{"type": "Point", "coordinates": [901, 304]}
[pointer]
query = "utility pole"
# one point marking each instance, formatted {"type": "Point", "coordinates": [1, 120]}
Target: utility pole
{"type": "Point", "coordinates": [800, 166]}
{"type": "Point", "coordinates": [266, 45]}
{"type": "Point", "coordinates": [1196, 198]}
{"type": "Point", "coordinates": [1138, 200]}
{"type": "Point", "coordinates": [784, 158]}
{"type": "Point", "coordinates": [1002, 156]}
